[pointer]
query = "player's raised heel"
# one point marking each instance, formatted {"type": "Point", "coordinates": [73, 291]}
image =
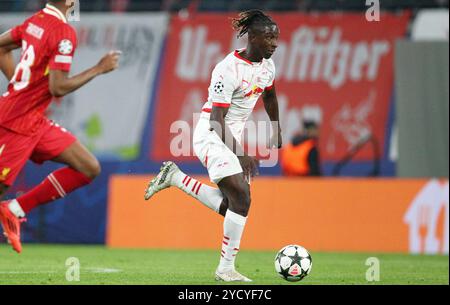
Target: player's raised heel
{"type": "Point", "coordinates": [162, 180]}
{"type": "Point", "coordinates": [231, 276]}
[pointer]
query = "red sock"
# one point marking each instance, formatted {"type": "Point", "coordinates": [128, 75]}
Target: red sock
{"type": "Point", "coordinates": [57, 185]}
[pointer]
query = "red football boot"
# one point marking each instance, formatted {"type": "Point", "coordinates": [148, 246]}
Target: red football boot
{"type": "Point", "coordinates": [11, 226]}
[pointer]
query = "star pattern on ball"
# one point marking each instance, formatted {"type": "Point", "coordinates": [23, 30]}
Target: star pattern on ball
{"type": "Point", "coordinates": [292, 255]}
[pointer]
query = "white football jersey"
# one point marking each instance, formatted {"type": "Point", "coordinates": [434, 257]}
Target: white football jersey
{"type": "Point", "coordinates": [237, 84]}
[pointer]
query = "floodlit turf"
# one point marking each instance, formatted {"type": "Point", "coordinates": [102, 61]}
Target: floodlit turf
{"type": "Point", "coordinates": [45, 264]}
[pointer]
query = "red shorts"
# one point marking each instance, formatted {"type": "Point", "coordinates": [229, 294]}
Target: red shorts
{"type": "Point", "coordinates": [17, 149]}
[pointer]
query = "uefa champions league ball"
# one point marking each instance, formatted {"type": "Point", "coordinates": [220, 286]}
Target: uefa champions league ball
{"type": "Point", "coordinates": [293, 263]}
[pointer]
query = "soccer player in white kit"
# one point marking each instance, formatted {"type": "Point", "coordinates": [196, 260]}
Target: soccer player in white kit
{"type": "Point", "coordinates": [237, 83]}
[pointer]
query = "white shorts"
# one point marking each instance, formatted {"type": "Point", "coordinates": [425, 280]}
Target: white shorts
{"type": "Point", "coordinates": [220, 161]}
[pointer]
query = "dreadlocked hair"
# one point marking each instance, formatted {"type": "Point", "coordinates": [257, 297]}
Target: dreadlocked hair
{"type": "Point", "coordinates": [247, 19]}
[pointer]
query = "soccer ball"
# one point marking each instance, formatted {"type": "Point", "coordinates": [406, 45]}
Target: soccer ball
{"type": "Point", "coordinates": [293, 263]}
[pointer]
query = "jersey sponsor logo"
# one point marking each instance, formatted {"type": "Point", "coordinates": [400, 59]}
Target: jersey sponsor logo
{"type": "Point", "coordinates": [4, 174]}
{"type": "Point", "coordinates": [65, 47]}
{"type": "Point", "coordinates": [255, 91]}
{"type": "Point", "coordinates": [35, 31]}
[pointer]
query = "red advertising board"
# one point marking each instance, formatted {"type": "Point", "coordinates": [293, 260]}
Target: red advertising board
{"type": "Point", "coordinates": [333, 68]}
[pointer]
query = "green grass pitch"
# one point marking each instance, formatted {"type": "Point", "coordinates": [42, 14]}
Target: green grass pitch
{"type": "Point", "coordinates": [45, 264]}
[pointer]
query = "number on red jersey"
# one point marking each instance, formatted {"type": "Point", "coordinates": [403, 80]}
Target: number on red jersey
{"type": "Point", "coordinates": [22, 75]}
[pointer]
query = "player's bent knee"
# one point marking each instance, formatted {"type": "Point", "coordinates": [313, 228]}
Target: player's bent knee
{"type": "Point", "coordinates": [245, 199]}
{"type": "Point", "coordinates": [237, 193]}
{"type": "Point", "coordinates": [242, 193]}
{"type": "Point", "coordinates": [241, 204]}
{"type": "Point", "coordinates": [246, 202]}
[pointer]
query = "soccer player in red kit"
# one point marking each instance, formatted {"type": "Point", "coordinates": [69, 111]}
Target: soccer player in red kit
{"type": "Point", "coordinates": [48, 44]}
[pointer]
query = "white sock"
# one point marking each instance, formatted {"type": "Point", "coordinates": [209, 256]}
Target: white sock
{"type": "Point", "coordinates": [233, 226]}
{"type": "Point", "coordinates": [209, 196]}
{"type": "Point", "coordinates": [16, 209]}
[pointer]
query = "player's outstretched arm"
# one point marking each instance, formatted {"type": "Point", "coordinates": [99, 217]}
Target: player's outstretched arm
{"type": "Point", "coordinates": [271, 105]}
{"type": "Point", "coordinates": [60, 84]}
{"type": "Point", "coordinates": [7, 65]}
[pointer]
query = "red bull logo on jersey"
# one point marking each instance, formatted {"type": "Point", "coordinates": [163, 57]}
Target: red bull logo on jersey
{"type": "Point", "coordinates": [254, 91]}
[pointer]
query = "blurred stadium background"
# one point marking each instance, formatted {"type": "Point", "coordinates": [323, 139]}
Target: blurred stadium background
{"type": "Point", "coordinates": [378, 90]}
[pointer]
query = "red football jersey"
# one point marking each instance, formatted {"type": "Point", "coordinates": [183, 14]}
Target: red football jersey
{"type": "Point", "coordinates": [48, 43]}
